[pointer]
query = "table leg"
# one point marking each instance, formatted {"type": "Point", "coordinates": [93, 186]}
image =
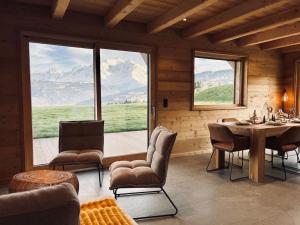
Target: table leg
{"type": "Point", "coordinates": [218, 160]}
{"type": "Point", "coordinates": [257, 155]}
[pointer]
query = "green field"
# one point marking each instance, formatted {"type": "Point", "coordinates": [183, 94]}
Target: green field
{"type": "Point", "coordinates": [118, 118]}
{"type": "Point", "coordinates": [215, 95]}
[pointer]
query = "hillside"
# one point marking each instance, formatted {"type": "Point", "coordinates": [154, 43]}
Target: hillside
{"type": "Point", "coordinates": [219, 94]}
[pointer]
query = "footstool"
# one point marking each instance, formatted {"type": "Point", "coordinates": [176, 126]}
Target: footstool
{"type": "Point", "coordinates": [41, 178]}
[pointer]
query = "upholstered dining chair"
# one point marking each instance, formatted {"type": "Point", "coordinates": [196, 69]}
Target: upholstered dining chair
{"type": "Point", "coordinates": [286, 142]}
{"type": "Point", "coordinates": [80, 142]}
{"type": "Point", "coordinates": [223, 139]}
{"type": "Point", "coordinates": [224, 120]}
{"type": "Point", "coordinates": [232, 120]}
{"type": "Point", "coordinates": [148, 173]}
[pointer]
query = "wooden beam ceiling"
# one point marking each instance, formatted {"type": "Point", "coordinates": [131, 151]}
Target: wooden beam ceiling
{"type": "Point", "coordinates": [290, 49]}
{"type": "Point", "coordinates": [281, 43]}
{"type": "Point", "coordinates": [263, 24]}
{"type": "Point", "coordinates": [59, 8]}
{"type": "Point", "coordinates": [121, 9]}
{"type": "Point", "coordinates": [232, 15]}
{"type": "Point", "coordinates": [270, 35]}
{"type": "Point", "coordinates": [178, 13]}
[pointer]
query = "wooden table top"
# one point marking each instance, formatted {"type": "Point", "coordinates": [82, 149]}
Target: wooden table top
{"type": "Point", "coordinates": [270, 129]}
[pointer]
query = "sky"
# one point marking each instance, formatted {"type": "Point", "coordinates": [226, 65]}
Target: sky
{"type": "Point", "coordinates": [45, 56]}
{"type": "Point", "coordinates": [202, 65]}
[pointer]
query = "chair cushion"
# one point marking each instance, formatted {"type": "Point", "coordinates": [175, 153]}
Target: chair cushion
{"type": "Point", "coordinates": [141, 176]}
{"type": "Point", "coordinates": [127, 164]}
{"type": "Point", "coordinates": [78, 156]}
{"type": "Point", "coordinates": [274, 144]}
{"type": "Point", "coordinates": [289, 147]}
{"type": "Point", "coordinates": [223, 146]}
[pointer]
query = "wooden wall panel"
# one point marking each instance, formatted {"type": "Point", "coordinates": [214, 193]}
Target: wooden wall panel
{"type": "Point", "coordinates": [174, 77]}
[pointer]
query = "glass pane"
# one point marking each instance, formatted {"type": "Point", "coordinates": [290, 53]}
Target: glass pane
{"type": "Point", "coordinates": [214, 81]}
{"type": "Point", "coordinates": [62, 88]}
{"type": "Point", "coordinates": [124, 98]}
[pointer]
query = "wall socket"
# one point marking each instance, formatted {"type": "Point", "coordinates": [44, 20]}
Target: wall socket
{"type": "Point", "coordinates": [165, 103]}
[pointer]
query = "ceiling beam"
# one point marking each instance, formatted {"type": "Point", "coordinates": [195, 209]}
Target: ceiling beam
{"type": "Point", "coordinates": [263, 24]}
{"type": "Point", "coordinates": [281, 43]}
{"type": "Point", "coordinates": [59, 8]}
{"type": "Point", "coordinates": [232, 15]}
{"type": "Point", "coordinates": [270, 35]}
{"type": "Point", "coordinates": [290, 49]}
{"type": "Point", "coordinates": [121, 9]}
{"type": "Point", "coordinates": [178, 13]}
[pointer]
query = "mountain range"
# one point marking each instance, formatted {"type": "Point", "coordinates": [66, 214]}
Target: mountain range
{"type": "Point", "coordinates": [122, 81]}
{"type": "Point", "coordinates": [208, 79]}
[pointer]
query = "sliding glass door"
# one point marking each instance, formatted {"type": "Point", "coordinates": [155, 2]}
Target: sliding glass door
{"type": "Point", "coordinates": [63, 82]}
{"type": "Point", "coordinates": [62, 88]}
{"type": "Point", "coordinates": [124, 101]}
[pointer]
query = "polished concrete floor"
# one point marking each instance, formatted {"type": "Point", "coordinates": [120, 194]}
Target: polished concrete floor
{"type": "Point", "coordinates": [208, 198]}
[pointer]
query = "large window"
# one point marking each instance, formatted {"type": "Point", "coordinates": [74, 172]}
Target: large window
{"type": "Point", "coordinates": [62, 88]}
{"type": "Point", "coordinates": [219, 81]}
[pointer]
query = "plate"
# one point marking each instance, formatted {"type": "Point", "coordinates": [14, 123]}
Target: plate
{"type": "Point", "coordinates": [243, 123]}
{"type": "Point", "coordinates": [274, 123]}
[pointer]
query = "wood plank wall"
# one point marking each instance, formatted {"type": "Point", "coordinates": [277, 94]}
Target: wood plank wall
{"type": "Point", "coordinates": [174, 77]}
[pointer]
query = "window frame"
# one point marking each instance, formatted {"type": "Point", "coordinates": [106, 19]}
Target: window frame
{"type": "Point", "coordinates": [240, 95]}
{"type": "Point", "coordinates": [82, 42]}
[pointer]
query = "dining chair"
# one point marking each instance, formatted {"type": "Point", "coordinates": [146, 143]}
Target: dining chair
{"type": "Point", "coordinates": [223, 139]}
{"type": "Point", "coordinates": [284, 143]}
{"type": "Point", "coordinates": [224, 120]}
{"type": "Point", "coordinates": [232, 120]}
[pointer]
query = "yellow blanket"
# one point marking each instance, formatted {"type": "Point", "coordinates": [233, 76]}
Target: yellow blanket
{"type": "Point", "coordinates": [103, 212]}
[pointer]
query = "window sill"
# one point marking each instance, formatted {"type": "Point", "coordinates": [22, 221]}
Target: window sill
{"type": "Point", "coordinates": [217, 107]}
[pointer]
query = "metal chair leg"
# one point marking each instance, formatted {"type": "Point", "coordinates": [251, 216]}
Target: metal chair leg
{"type": "Point", "coordinates": [297, 154]}
{"type": "Point", "coordinates": [207, 167]}
{"type": "Point", "coordinates": [272, 158]}
{"type": "Point", "coordinates": [231, 165]}
{"type": "Point", "coordinates": [99, 174]}
{"type": "Point", "coordinates": [283, 168]}
{"type": "Point", "coordinates": [149, 192]}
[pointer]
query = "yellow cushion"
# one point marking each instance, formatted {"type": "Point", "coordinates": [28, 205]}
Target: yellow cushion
{"type": "Point", "coordinates": [103, 212]}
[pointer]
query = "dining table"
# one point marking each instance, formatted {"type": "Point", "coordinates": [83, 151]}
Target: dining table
{"type": "Point", "coordinates": [257, 134]}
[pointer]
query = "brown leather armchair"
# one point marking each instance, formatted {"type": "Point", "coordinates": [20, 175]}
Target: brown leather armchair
{"type": "Point", "coordinates": [286, 142]}
{"type": "Point", "coordinates": [149, 173]}
{"type": "Point", "coordinates": [55, 205]}
{"type": "Point", "coordinates": [224, 140]}
{"type": "Point", "coordinates": [81, 142]}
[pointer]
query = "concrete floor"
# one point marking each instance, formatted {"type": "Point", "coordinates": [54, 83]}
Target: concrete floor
{"type": "Point", "coordinates": [208, 198]}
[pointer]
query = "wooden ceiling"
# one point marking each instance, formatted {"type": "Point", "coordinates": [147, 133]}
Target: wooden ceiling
{"type": "Point", "coordinates": [270, 24]}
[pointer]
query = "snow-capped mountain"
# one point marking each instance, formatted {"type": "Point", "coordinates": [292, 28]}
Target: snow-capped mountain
{"type": "Point", "coordinates": [122, 81]}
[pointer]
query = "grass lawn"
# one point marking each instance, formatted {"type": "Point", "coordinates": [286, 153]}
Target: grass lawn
{"type": "Point", "coordinates": [118, 118]}
{"type": "Point", "coordinates": [215, 95]}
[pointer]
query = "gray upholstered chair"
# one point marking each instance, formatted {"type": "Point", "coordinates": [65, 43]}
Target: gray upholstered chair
{"type": "Point", "coordinates": [286, 142]}
{"type": "Point", "coordinates": [55, 205]}
{"type": "Point", "coordinates": [80, 142]}
{"type": "Point", "coordinates": [223, 139]}
{"type": "Point", "coordinates": [225, 120]}
{"type": "Point", "coordinates": [149, 173]}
